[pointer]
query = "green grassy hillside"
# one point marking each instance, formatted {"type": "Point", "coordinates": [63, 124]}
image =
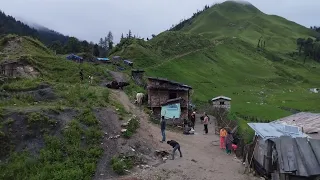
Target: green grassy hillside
{"type": "Point", "coordinates": [231, 19]}
{"type": "Point", "coordinates": [35, 142]}
{"type": "Point", "coordinates": [216, 53]}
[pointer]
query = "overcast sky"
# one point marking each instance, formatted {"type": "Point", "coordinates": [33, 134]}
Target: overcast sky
{"type": "Point", "coordinates": [92, 19]}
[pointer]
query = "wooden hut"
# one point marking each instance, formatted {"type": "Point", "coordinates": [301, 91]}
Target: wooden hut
{"type": "Point", "coordinates": [282, 152]}
{"type": "Point", "coordinates": [221, 102]}
{"type": "Point", "coordinates": [162, 92]}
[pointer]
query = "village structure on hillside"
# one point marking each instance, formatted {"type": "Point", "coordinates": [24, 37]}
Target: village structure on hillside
{"type": "Point", "coordinates": [288, 148]}
{"type": "Point", "coordinates": [168, 98]}
{"type": "Point", "coordinates": [221, 102]}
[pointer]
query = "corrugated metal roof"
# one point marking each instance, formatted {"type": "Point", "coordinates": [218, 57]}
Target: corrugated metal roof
{"type": "Point", "coordinates": [309, 122]}
{"type": "Point", "coordinates": [298, 155]}
{"type": "Point", "coordinates": [169, 81]}
{"type": "Point", "coordinates": [221, 97]}
{"type": "Point", "coordinates": [273, 130]}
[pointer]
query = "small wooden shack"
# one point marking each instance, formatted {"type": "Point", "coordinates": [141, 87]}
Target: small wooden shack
{"type": "Point", "coordinates": [162, 92]}
{"type": "Point", "coordinates": [221, 102]}
{"type": "Point", "coordinates": [282, 152]}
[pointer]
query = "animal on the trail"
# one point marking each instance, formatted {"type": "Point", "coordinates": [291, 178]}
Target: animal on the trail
{"type": "Point", "coordinates": [122, 84]}
{"type": "Point", "coordinates": [117, 85]}
{"type": "Point", "coordinates": [139, 98]}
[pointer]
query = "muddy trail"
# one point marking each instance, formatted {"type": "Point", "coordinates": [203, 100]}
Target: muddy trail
{"type": "Point", "coordinates": [202, 158]}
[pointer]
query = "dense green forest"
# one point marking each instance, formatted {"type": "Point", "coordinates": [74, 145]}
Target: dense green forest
{"type": "Point", "coordinates": [59, 43]}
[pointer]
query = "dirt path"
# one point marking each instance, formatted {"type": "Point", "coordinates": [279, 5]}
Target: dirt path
{"type": "Point", "coordinates": [202, 160]}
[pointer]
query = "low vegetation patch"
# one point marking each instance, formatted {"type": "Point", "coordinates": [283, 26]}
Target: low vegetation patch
{"type": "Point", "coordinates": [132, 127]}
{"type": "Point", "coordinates": [121, 163]}
{"type": "Point", "coordinates": [74, 155]}
{"type": "Point", "coordinates": [120, 109]}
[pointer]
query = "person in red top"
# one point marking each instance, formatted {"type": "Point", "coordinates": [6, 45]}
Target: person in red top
{"type": "Point", "coordinates": [205, 123]}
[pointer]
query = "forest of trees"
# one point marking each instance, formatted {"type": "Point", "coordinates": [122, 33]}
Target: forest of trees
{"type": "Point", "coordinates": [309, 47]}
{"type": "Point", "coordinates": [59, 43]}
{"type": "Point", "coordinates": [185, 22]}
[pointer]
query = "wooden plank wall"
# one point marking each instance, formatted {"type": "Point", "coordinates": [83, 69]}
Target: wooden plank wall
{"type": "Point", "coordinates": [308, 157]}
{"type": "Point", "coordinates": [315, 144]}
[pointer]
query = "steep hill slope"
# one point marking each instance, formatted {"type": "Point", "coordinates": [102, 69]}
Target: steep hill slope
{"type": "Point", "coordinates": [233, 19]}
{"type": "Point", "coordinates": [216, 52]}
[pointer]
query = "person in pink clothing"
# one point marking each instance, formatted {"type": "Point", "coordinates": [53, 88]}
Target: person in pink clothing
{"type": "Point", "coordinates": [205, 123]}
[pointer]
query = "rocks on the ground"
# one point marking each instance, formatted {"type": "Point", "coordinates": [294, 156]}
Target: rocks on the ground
{"type": "Point", "coordinates": [124, 124]}
{"type": "Point", "coordinates": [145, 166]}
{"type": "Point", "coordinates": [161, 153]}
{"type": "Point", "coordinates": [114, 137]}
{"type": "Point", "coordinates": [123, 130]}
{"type": "Point", "coordinates": [194, 160]}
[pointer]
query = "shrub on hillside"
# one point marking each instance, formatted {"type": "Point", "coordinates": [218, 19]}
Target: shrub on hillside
{"type": "Point", "coordinates": [121, 163]}
{"type": "Point", "coordinates": [132, 127]}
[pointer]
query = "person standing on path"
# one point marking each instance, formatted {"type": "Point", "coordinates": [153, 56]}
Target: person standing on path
{"type": "Point", "coordinates": [175, 146]}
{"type": "Point", "coordinates": [228, 141]}
{"type": "Point", "coordinates": [81, 75]}
{"type": "Point", "coordinates": [163, 129]}
{"type": "Point", "coordinates": [223, 134]}
{"type": "Point", "coordinates": [205, 123]}
{"type": "Point", "coordinates": [193, 118]}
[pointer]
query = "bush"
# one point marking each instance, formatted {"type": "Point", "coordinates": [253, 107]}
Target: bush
{"type": "Point", "coordinates": [88, 118]}
{"type": "Point", "coordinates": [37, 118]}
{"type": "Point", "coordinates": [133, 125]}
{"type": "Point", "coordinates": [121, 163]}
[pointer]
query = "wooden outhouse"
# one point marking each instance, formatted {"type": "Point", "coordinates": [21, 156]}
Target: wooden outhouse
{"type": "Point", "coordinates": [221, 102]}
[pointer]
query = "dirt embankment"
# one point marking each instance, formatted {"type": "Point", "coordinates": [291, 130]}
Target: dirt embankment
{"type": "Point", "coordinates": [25, 129]}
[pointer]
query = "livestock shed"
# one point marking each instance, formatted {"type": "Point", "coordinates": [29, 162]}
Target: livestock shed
{"type": "Point", "coordinates": [221, 102]}
{"type": "Point", "coordinates": [128, 62]}
{"type": "Point", "coordinates": [116, 58]}
{"type": "Point", "coordinates": [163, 92]}
{"type": "Point", "coordinates": [75, 58]}
{"type": "Point", "coordinates": [283, 152]}
{"type": "Point", "coordinates": [308, 123]}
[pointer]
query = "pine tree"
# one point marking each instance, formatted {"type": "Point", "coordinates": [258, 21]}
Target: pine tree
{"type": "Point", "coordinates": [130, 34]}
{"type": "Point", "coordinates": [110, 40]}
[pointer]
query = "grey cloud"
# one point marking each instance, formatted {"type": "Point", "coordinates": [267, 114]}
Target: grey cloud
{"type": "Point", "coordinates": [92, 19]}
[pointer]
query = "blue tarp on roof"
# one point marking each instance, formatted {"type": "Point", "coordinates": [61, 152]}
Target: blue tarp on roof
{"type": "Point", "coordinates": [103, 59]}
{"type": "Point", "coordinates": [74, 57]}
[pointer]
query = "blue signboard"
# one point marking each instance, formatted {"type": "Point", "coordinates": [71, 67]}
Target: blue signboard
{"type": "Point", "coordinates": [170, 111]}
